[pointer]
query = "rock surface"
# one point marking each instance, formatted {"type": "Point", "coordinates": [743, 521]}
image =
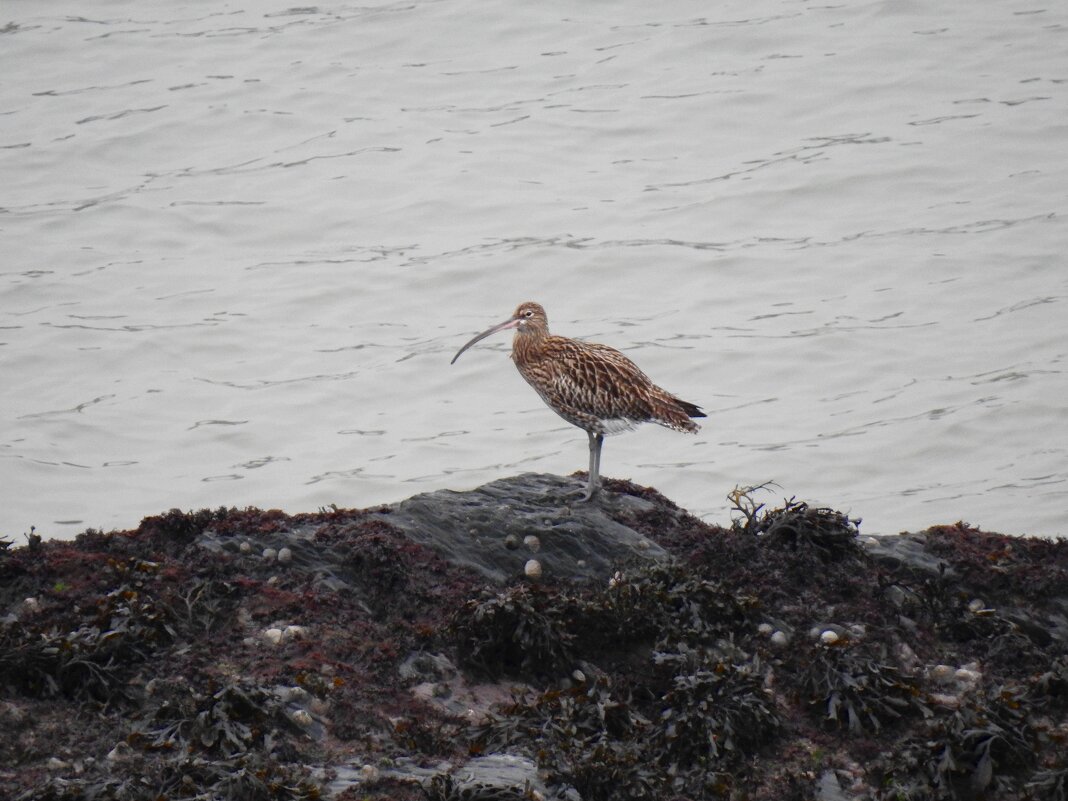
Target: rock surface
{"type": "Point", "coordinates": [485, 528]}
{"type": "Point", "coordinates": [408, 652]}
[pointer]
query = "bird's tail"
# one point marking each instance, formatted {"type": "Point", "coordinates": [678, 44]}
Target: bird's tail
{"type": "Point", "coordinates": [692, 410]}
{"type": "Point", "coordinates": [676, 413]}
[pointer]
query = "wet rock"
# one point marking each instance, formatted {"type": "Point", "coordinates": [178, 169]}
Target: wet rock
{"type": "Point", "coordinates": [828, 788]}
{"type": "Point", "coordinates": [576, 540]}
{"type": "Point", "coordinates": [907, 551]}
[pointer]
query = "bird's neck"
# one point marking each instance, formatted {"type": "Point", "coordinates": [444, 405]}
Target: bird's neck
{"type": "Point", "coordinates": [527, 345]}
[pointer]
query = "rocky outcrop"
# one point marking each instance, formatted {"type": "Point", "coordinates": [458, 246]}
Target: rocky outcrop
{"type": "Point", "coordinates": [499, 527]}
{"type": "Point", "coordinates": [512, 643]}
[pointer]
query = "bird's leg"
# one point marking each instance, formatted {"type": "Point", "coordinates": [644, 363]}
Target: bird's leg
{"type": "Point", "coordinates": [596, 440]}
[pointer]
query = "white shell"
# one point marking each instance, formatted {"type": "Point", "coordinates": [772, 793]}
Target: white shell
{"type": "Point", "coordinates": [369, 773]}
{"type": "Point", "coordinates": [119, 753]}
{"type": "Point", "coordinates": [829, 637]}
{"type": "Point", "coordinates": [273, 636]}
{"type": "Point", "coordinates": [967, 676]}
{"type": "Point", "coordinates": [293, 633]}
{"type": "Point", "coordinates": [296, 695]}
{"type": "Point", "coordinates": [942, 673]}
{"type": "Point", "coordinates": [533, 569]}
{"type": "Point", "coordinates": [285, 555]}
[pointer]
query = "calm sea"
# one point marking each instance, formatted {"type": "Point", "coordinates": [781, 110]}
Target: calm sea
{"type": "Point", "coordinates": [241, 243]}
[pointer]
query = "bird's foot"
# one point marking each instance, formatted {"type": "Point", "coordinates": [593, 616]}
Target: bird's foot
{"type": "Point", "coordinates": [581, 496]}
{"type": "Point", "coordinates": [586, 495]}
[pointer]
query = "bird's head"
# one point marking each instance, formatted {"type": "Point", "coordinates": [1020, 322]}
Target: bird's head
{"type": "Point", "coordinates": [529, 318]}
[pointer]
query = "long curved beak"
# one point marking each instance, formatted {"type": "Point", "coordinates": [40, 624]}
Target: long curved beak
{"type": "Point", "coordinates": [511, 322]}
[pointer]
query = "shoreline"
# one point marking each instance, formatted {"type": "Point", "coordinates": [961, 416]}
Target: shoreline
{"type": "Point", "coordinates": [511, 640]}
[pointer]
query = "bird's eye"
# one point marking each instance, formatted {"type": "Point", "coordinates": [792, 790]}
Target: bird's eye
{"type": "Point", "coordinates": [528, 313]}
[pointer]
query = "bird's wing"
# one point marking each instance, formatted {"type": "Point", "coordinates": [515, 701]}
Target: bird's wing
{"type": "Point", "coordinates": [594, 379]}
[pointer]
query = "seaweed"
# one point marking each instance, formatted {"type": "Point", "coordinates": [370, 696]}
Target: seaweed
{"type": "Point", "coordinates": [192, 744]}
{"type": "Point", "coordinates": [847, 686]}
{"type": "Point", "coordinates": [684, 678]}
{"type": "Point", "coordinates": [379, 568]}
{"type": "Point", "coordinates": [956, 615]}
{"type": "Point", "coordinates": [532, 631]}
{"type": "Point", "coordinates": [442, 787]}
{"type": "Point", "coordinates": [1048, 785]}
{"type": "Point", "coordinates": [1052, 684]}
{"type": "Point", "coordinates": [251, 776]}
{"type": "Point", "coordinates": [606, 744]}
{"type": "Point", "coordinates": [795, 525]}
{"type": "Point", "coordinates": [717, 712]}
{"type": "Point", "coordinates": [671, 605]}
{"type": "Point", "coordinates": [226, 722]}
{"type": "Point", "coordinates": [588, 736]}
{"type": "Point", "coordinates": [203, 606]}
{"type": "Point", "coordinates": [518, 631]}
{"type": "Point", "coordinates": [975, 751]}
{"type": "Point", "coordinates": [123, 627]}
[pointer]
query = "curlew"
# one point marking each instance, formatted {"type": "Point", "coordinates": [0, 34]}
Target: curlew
{"type": "Point", "coordinates": [592, 386]}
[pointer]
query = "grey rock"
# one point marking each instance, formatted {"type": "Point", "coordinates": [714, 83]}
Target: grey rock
{"type": "Point", "coordinates": [907, 551]}
{"type": "Point", "coordinates": [578, 540]}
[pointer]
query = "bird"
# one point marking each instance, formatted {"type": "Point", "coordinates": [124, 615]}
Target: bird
{"type": "Point", "coordinates": [592, 386]}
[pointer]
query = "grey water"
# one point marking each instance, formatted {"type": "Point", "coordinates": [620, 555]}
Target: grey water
{"type": "Point", "coordinates": [242, 241]}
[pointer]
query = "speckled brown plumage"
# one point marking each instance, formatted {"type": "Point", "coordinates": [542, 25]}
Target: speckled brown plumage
{"type": "Point", "coordinates": [592, 386]}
